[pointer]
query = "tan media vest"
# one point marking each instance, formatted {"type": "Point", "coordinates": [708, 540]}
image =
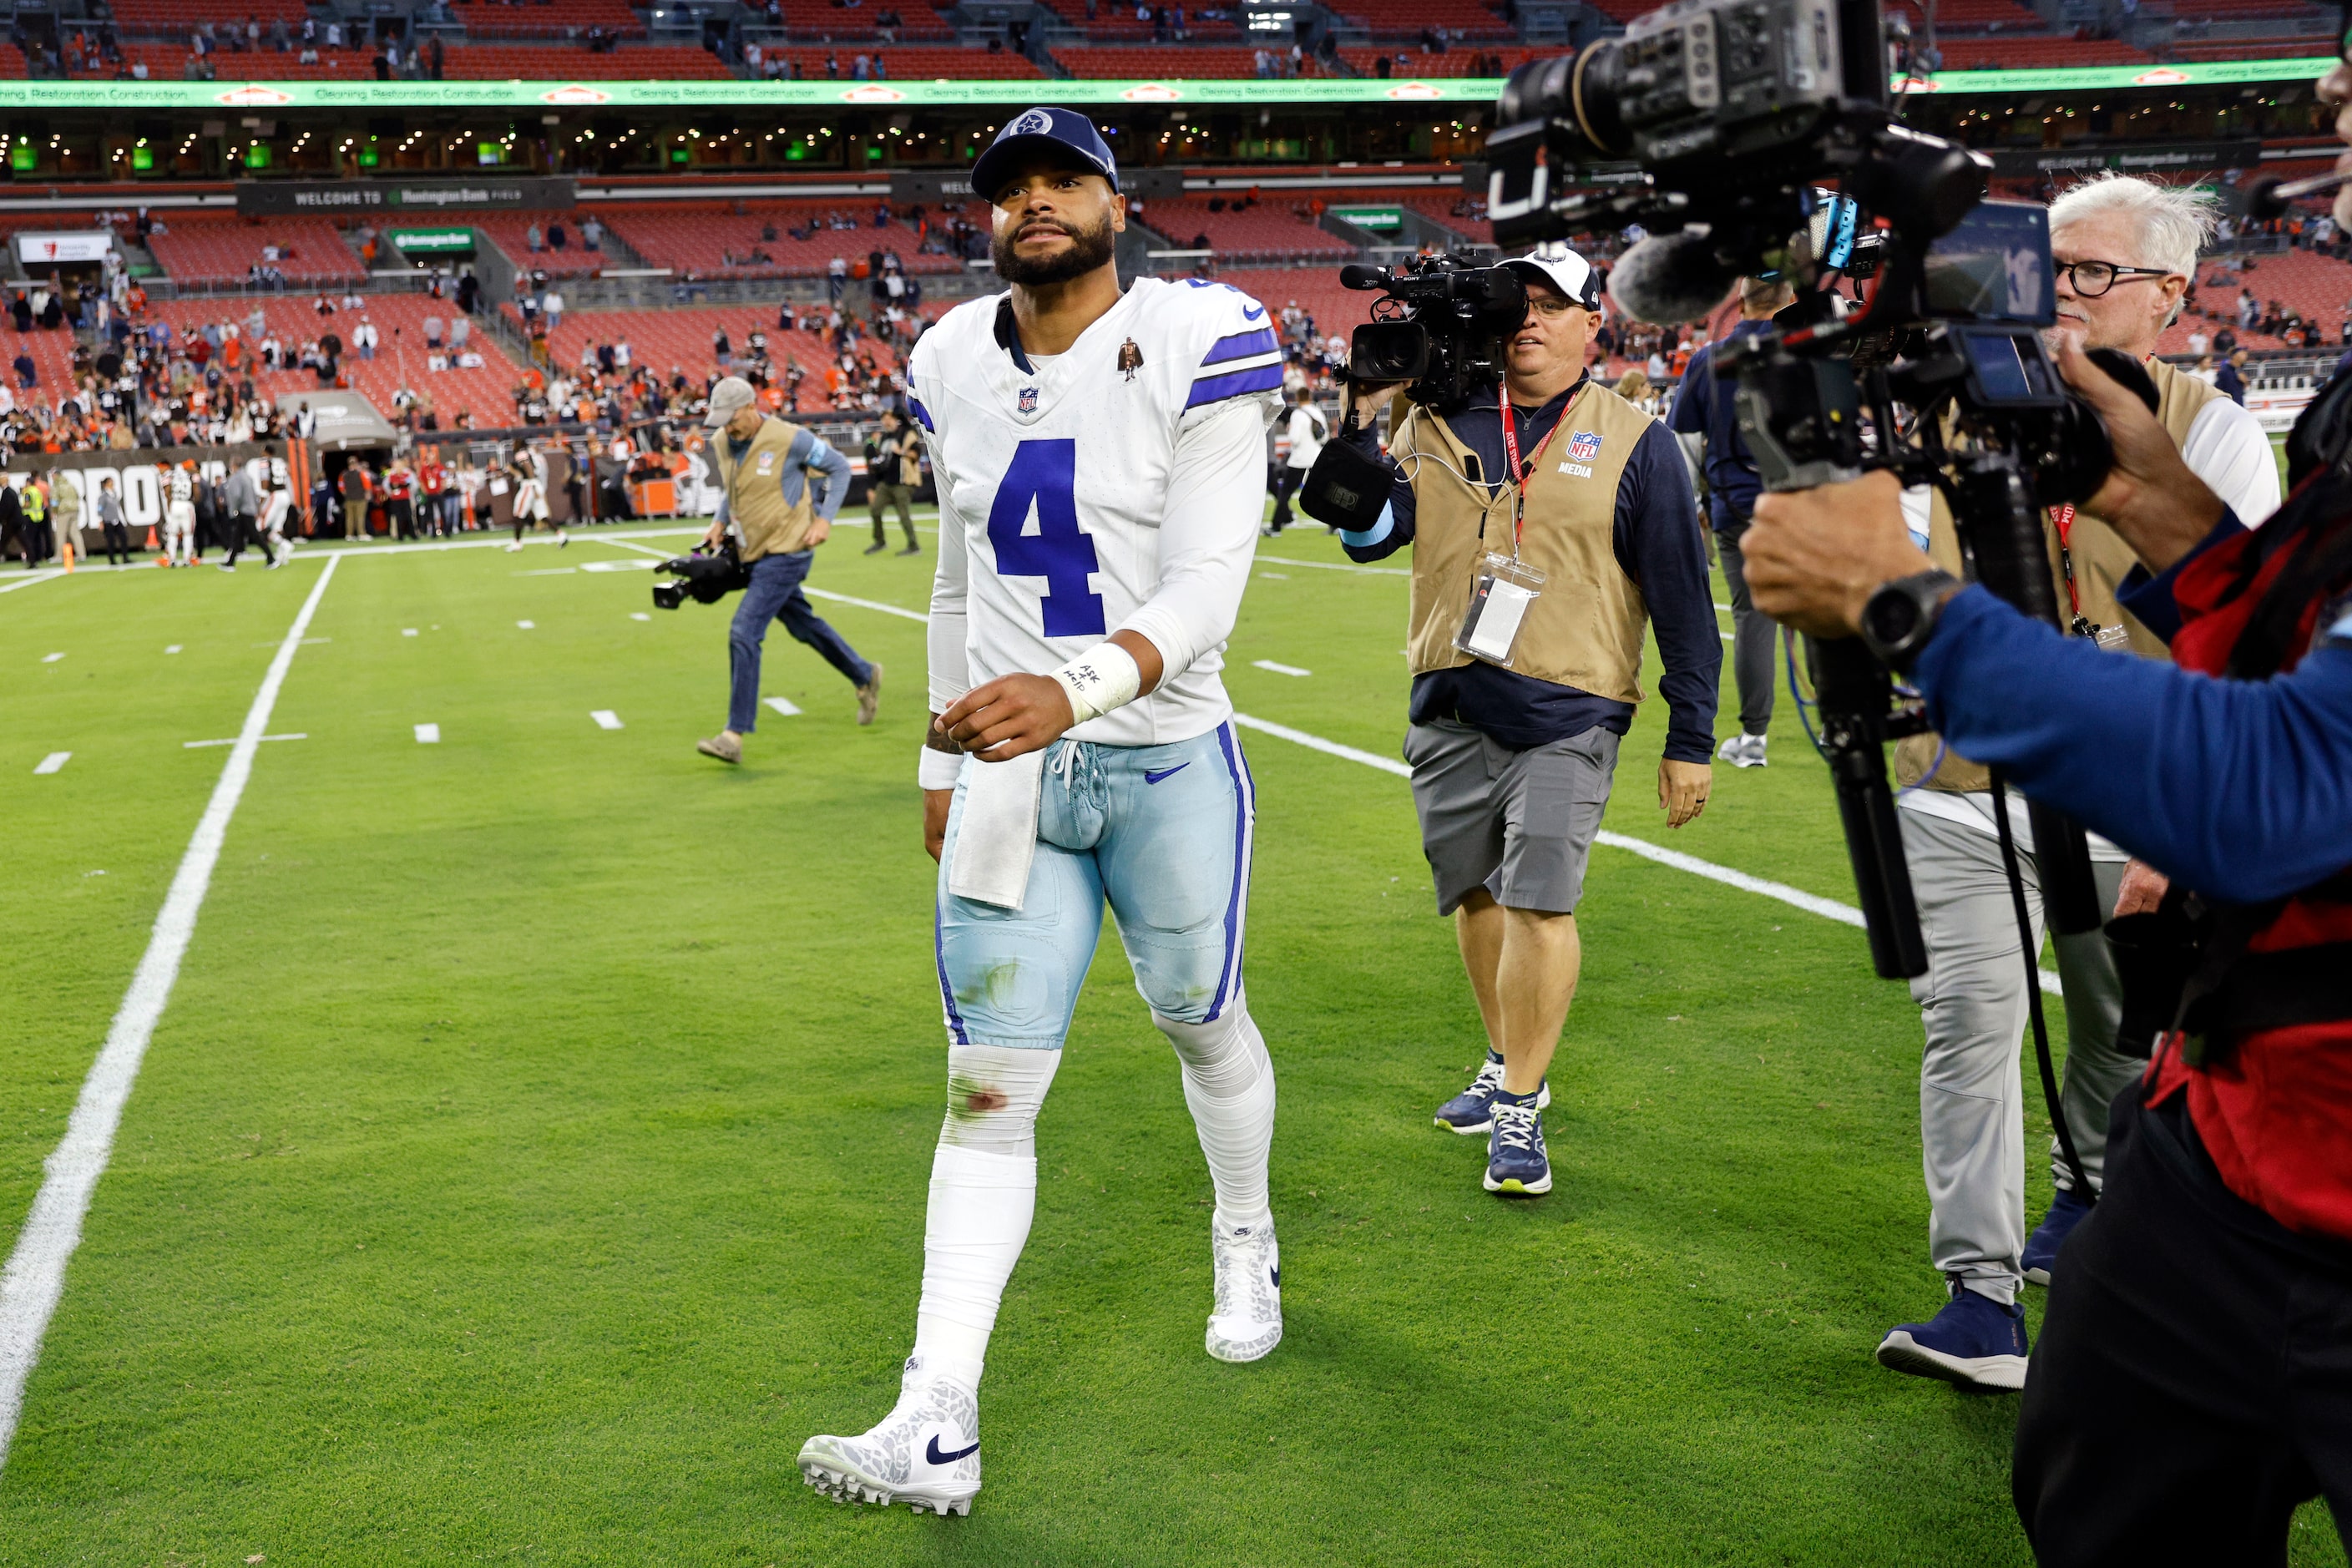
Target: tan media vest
{"type": "Point", "coordinates": [1585, 628]}
{"type": "Point", "coordinates": [2101, 561]}
{"type": "Point", "coordinates": [757, 509]}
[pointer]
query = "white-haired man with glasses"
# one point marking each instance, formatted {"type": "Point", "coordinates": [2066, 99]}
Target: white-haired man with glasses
{"type": "Point", "coordinates": [2125, 249]}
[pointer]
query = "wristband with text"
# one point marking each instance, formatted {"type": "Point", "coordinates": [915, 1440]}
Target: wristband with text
{"type": "Point", "coordinates": [1103, 678]}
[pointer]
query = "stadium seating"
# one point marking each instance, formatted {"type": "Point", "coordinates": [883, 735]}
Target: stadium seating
{"type": "Point", "coordinates": [1467, 21]}
{"type": "Point", "coordinates": [1972, 15]}
{"type": "Point", "coordinates": [182, 15]}
{"type": "Point", "coordinates": [509, 232]}
{"type": "Point", "coordinates": [2001, 53]}
{"type": "Point", "coordinates": [1169, 61]}
{"type": "Point", "coordinates": [2300, 46]}
{"type": "Point", "coordinates": [909, 63]}
{"type": "Point", "coordinates": [1275, 229]}
{"type": "Point", "coordinates": [2318, 287]}
{"type": "Point", "coordinates": [644, 62]}
{"type": "Point", "coordinates": [694, 239]}
{"type": "Point", "coordinates": [400, 360]}
{"type": "Point", "coordinates": [665, 341]}
{"type": "Point", "coordinates": [543, 19]}
{"type": "Point", "coordinates": [1453, 63]}
{"type": "Point", "coordinates": [821, 20]}
{"type": "Point", "coordinates": [207, 249]}
{"type": "Point", "coordinates": [52, 356]}
{"type": "Point", "coordinates": [1110, 23]}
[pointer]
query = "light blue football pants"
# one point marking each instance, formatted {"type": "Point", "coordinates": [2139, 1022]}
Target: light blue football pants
{"type": "Point", "coordinates": [1163, 833]}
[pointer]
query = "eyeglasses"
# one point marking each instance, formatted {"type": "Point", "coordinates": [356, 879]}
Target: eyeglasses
{"type": "Point", "coordinates": [2091, 279]}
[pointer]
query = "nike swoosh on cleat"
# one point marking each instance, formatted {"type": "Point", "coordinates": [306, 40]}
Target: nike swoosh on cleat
{"type": "Point", "coordinates": [933, 1454]}
{"type": "Point", "coordinates": [1278, 1277]}
{"type": "Point", "coordinates": [1151, 777]}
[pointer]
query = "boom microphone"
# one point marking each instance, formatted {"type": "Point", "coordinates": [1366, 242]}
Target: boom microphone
{"type": "Point", "coordinates": [1671, 278]}
{"type": "Point", "coordinates": [2268, 197]}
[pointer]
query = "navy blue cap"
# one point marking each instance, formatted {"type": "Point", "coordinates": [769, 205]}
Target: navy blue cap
{"type": "Point", "coordinates": [1063, 128]}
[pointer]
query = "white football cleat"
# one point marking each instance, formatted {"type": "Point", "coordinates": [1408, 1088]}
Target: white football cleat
{"type": "Point", "coordinates": [925, 1453]}
{"type": "Point", "coordinates": [1246, 1320]}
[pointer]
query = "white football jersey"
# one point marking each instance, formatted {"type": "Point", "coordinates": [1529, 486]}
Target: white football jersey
{"type": "Point", "coordinates": [1117, 486]}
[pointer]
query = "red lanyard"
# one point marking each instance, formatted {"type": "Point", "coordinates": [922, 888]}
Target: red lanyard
{"type": "Point", "coordinates": [2063, 515]}
{"type": "Point", "coordinates": [1520, 475]}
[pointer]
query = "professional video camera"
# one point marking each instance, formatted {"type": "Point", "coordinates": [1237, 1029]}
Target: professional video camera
{"type": "Point", "coordinates": [704, 578]}
{"type": "Point", "coordinates": [1440, 326]}
{"type": "Point", "coordinates": [1736, 112]}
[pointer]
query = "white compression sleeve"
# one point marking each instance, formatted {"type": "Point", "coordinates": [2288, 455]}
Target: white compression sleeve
{"type": "Point", "coordinates": [984, 1194]}
{"type": "Point", "coordinates": [1229, 1086]}
{"type": "Point", "coordinates": [944, 635]}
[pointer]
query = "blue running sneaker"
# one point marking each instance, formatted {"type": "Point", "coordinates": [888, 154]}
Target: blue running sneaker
{"type": "Point", "coordinates": [1467, 1113]}
{"type": "Point", "coordinates": [1975, 1341]}
{"type": "Point", "coordinates": [2066, 1211]}
{"type": "Point", "coordinates": [1515, 1163]}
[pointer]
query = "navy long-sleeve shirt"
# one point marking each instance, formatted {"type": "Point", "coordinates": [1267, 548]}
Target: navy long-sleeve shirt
{"type": "Point", "coordinates": [2241, 789]}
{"type": "Point", "coordinates": [1708, 406]}
{"type": "Point", "coordinates": [1656, 539]}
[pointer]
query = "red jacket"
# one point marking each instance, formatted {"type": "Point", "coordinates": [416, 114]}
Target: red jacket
{"type": "Point", "coordinates": [2274, 1109]}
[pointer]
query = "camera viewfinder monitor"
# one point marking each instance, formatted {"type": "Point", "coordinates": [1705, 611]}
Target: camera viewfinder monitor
{"type": "Point", "coordinates": [1995, 267]}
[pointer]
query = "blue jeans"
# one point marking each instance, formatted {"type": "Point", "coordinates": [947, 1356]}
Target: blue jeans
{"type": "Point", "coordinates": [1163, 833]}
{"type": "Point", "coordinates": [775, 594]}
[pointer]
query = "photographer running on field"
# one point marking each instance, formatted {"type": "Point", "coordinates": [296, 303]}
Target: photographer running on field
{"type": "Point", "coordinates": [769, 507]}
{"type": "Point", "coordinates": [1590, 533]}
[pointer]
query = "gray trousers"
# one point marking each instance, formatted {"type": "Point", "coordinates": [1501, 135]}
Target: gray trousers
{"type": "Point", "coordinates": [1753, 635]}
{"type": "Point", "coordinates": [1972, 1090]}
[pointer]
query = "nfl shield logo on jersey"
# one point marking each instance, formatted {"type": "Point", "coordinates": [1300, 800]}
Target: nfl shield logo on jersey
{"type": "Point", "coordinates": [1028, 400]}
{"type": "Point", "coordinates": [1584, 446]}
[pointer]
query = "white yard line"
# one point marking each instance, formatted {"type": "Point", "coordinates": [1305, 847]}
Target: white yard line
{"type": "Point", "coordinates": [191, 745]}
{"type": "Point", "coordinates": [1811, 903]}
{"type": "Point", "coordinates": [1340, 566]}
{"type": "Point", "coordinates": [55, 763]}
{"type": "Point", "coordinates": [29, 579]}
{"type": "Point", "coordinates": [868, 604]}
{"type": "Point", "coordinates": [35, 1275]}
{"type": "Point", "coordinates": [1267, 664]}
{"type": "Point", "coordinates": [783, 705]}
{"type": "Point", "coordinates": [605, 719]}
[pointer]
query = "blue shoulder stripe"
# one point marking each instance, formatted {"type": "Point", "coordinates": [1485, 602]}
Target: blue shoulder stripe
{"type": "Point", "coordinates": [1216, 388]}
{"type": "Point", "coordinates": [1241, 345]}
{"type": "Point", "coordinates": [922, 415]}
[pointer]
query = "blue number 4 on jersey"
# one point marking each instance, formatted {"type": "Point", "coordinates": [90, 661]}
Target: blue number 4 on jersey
{"type": "Point", "coordinates": [1045, 474]}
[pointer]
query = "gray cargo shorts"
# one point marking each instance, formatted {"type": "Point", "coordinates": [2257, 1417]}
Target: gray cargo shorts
{"type": "Point", "coordinates": [1517, 824]}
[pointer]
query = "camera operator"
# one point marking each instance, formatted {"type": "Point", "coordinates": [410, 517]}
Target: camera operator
{"type": "Point", "coordinates": [1705, 420]}
{"type": "Point", "coordinates": [1512, 766]}
{"type": "Point", "coordinates": [894, 460]}
{"type": "Point", "coordinates": [2186, 1396]}
{"type": "Point", "coordinates": [769, 505]}
{"type": "Point", "coordinates": [2125, 248]}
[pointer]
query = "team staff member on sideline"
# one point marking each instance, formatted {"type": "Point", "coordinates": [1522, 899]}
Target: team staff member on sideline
{"type": "Point", "coordinates": [243, 501]}
{"type": "Point", "coordinates": [1302, 424]}
{"type": "Point", "coordinates": [894, 456]}
{"type": "Point", "coordinates": [2126, 248]}
{"type": "Point", "coordinates": [1706, 421]}
{"type": "Point", "coordinates": [2188, 1390]}
{"type": "Point", "coordinates": [1512, 766]}
{"type": "Point", "coordinates": [767, 503]}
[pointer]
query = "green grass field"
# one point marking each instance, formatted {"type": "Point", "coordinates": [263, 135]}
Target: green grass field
{"type": "Point", "coordinates": [533, 1152]}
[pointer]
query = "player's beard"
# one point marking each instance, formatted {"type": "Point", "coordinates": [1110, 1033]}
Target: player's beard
{"type": "Point", "coordinates": [1088, 250]}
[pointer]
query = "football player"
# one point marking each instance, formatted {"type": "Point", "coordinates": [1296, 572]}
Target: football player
{"type": "Point", "coordinates": [1100, 459]}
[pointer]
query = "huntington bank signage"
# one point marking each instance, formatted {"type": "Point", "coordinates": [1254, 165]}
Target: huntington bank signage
{"type": "Point", "coordinates": [520, 193]}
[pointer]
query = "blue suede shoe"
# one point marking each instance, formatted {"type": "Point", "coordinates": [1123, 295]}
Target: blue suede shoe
{"type": "Point", "coordinates": [2066, 1211]}
{"type": "Point", "coordinates": [1975, 1341]}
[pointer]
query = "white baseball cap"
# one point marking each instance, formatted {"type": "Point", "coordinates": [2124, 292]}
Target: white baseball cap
{"type": "Point", "coordinates": [1562, 268]}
